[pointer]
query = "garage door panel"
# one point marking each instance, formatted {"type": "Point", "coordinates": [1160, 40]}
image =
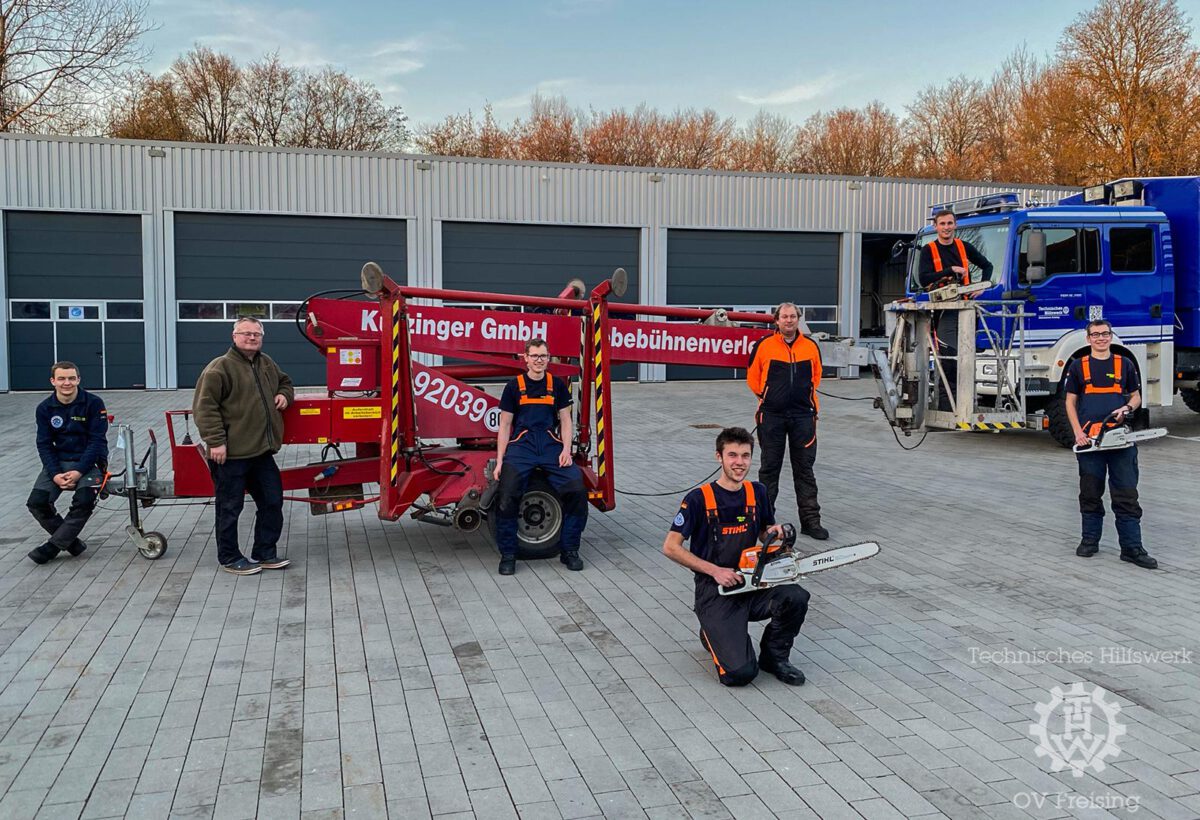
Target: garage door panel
{"type": "Point", "coordinates": [538, 260]}
{"type": "Point", "coordinates": [255, 259]}
{"type": "Point", "coordinates": [201, 342]}
{"type": "Point", "coordinates": [238, 256]}
{"type": "Point", "coordinates": [89, 256]}
{"type": "Point", "coordinates": [728, 268]}
{"type": "Point", "coordinates": [535, 260]}
{"type": "Point", "coordinates": [124, 354]}
{"type": "Point", "coordinates": [30, 352]}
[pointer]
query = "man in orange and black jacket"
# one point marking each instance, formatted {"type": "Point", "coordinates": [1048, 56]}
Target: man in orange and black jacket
{"type": "Point", "coordinates": [784, 372]}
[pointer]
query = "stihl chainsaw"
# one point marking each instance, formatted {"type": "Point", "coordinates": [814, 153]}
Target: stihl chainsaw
{"type": "Point", "coordinates": [775, 563]}
{"type": "Point", "coordinates": [1110, 434]}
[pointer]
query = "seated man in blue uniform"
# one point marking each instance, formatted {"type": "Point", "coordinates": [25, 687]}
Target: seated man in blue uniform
{"type": "Point", "coordinates": [536, 433]}
{"type": "Point", "coordinates": [723, 519]}
{"type": "Point", "coordinates": [72, 443]}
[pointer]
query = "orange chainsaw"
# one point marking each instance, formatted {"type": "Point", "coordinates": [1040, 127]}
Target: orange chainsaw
{"type": "Point", "coordinates": [774, 562]}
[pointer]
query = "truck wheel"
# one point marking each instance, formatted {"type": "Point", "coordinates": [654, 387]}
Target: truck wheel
{"type": "Point", "coordinates": [539, 521]}
{"type": "Point", "coordinates": [1192, 399]}
{"type": "Point", "coordinates": [1060, 425]}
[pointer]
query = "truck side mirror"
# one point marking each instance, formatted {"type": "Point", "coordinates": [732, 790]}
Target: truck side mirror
{"type": "Point", "coordinates": [900, 247]}
{"type": "Point", "coordinates": [1035, 256]}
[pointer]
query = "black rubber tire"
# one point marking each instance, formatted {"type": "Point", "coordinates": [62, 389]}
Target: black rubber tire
{"type": "Point", "coordinates": [535, 539]}
{"type": "Point", "coordinates": [1060, 425]}
{"type": "Point", "coordinates": [1191, 398]}
{"type": "Point", "coordinates": [157, 548]}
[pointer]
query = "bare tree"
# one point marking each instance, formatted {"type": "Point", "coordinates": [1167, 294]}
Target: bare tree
{"type": "Point", "coordinates": [268, 94]}
{"type": "Point", "coordinates": [209, 86]}
{"type": "Point", "coordinates": [1127, 58]}
{"type": "Point", "coordinates": [334, 110]}
{"type": "Point", "coordinates": [852, 141]}
{"type": "Point", "coordinates": [147, 109]}
{"type": "Point", "coordinates": [947, 128]}
{"type": "Point", "coordinates": [622, 138]}
{"type": "Point", "coordinates": [695, 139]}
{"type": "Point", "coordinates": [58, 57]}
{"type": "Point", "coordinates": [764, 144]}
{"type": "Point", "coordinates": [553, 132]}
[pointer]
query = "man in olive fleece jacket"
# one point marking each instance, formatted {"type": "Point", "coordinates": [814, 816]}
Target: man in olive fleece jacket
{"type": "Point", "coordinates": [238, 412]}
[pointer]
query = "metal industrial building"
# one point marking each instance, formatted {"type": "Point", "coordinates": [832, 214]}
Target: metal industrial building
{"type": "Point", "coordinates": [131, 257]}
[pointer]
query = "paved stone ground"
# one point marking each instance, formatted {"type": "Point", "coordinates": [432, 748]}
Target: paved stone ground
{"type": "Point", "coordinates": [390, 671]}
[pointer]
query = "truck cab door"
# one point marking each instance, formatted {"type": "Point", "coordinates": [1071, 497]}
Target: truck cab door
{"type": "Point", "coordinates": [1134, 275]}
{"type": "Point", "coordinates": [1072, 289]}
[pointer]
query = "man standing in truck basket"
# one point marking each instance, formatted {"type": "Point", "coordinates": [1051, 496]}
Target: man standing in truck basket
{"type": "Point", "coordinates": [723, 519]}
{"type": "Point", "coordinates": [785, 372]}
{"type": "Point", "coordinates": [72, 443]}
{"type": "Point", "coordinates": [238, 406]}
{"type": "Point", "coordinates": [536, 432]}
{"type": "Point", "coordinates": [948, 260]}
{"type": "Point", "coordinates": [1098, 385]}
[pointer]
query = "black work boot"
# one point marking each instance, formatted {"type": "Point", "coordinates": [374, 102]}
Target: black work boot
{"type": "Point", "coordinates": [44, 553]}
{"type": "Point", "coordinates": [572, 560]}
{"type": "Point", "coordinates": [814, 530]}
{"type": "Point", "coordinates": [1137, 555]}
{"type": "Point", "coordinates": [1087, 549]}
{"type": "Point", "coordinates": [77, 547]}
{"type": "Point", "coordinates": [780, 669]}
{"type": "Point", "coordinates": [508, 564]}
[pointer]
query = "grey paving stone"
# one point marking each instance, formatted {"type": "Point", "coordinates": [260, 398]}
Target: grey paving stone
{"type": "Point", "coordinates": [393, 660]}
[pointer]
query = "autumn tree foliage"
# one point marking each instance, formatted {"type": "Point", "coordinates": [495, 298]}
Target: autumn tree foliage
{"type": "Point", "coordinates": [207, 97]}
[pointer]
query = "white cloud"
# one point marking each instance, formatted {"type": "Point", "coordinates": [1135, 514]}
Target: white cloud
{"type": "Point", "coordinates": [801, 92]}
{"type": "Point", "coordinates": [545, 87]}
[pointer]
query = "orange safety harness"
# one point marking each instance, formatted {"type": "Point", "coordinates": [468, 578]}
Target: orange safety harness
{"type": "Point", "coordinates": [710, 510]}
{"type": "Point", "coordinates": [546, 399]}
{"type": "Point", "coordinates": [962, 253]}
{"type": "Point", "coordinates": [1094, 428]}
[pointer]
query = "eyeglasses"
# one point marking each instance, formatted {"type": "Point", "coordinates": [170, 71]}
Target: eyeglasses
{"type": "Point", "coordinates": [538, 357]}
{"type": "Point", "coordinates": [249, 333]}
{"type": "Point", "coordinates": [1105, 334]}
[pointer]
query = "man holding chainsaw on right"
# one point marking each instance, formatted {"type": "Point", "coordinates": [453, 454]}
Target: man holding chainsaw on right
{"type": "Point", "coordinates": [1103, 387]}
{"type": "Point", "coordinates": [723, 519]}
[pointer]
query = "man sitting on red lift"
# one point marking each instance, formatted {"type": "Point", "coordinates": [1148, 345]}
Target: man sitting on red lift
{"type": "Point", "coordinates": [723, 519]}
{"type": "Point", "coordinates": [536, 432]}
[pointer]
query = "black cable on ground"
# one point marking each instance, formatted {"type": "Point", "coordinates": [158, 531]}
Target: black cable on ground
{"type": "Point", "coordinates": [672, 492]}
{"type": "Point", "coordinates": [845, 398]}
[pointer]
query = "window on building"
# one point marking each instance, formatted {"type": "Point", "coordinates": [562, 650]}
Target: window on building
{"type": "Point", "coordinates": [123, 310]}
{"type": "Point", "coordinates": [29, 310]}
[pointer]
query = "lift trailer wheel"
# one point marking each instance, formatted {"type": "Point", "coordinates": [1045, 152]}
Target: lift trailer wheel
{"type": "Point", "coordinates": [155, 546]}
{"type": "Point", "coordinates": [539, 521]}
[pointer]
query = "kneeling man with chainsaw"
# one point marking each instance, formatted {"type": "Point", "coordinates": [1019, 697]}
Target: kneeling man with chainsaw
{"type": "Point", "coordinates": [725, 519]}
{"type": "Point", "coordinates": [536, 432]}
{"type": "Point", "coordinates": [1102, 391]}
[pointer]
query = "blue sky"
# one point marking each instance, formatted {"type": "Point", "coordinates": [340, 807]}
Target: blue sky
{"type": "Point", "coordinates": [791, 58]}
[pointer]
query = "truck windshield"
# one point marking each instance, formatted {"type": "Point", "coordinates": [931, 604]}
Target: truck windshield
{"type": "Point", "coordinates": [991, 240]}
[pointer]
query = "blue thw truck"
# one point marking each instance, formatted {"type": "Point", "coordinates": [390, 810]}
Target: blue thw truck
{"type": "Point", "coordinates": [1127, 251]}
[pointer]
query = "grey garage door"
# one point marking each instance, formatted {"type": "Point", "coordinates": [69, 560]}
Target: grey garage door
{"type": "Point", "coordinates": [230, 265]}
{"type": "Point", "coordinates": [75, 292]}
{"type": "Point", "coordinates": [538, 260]}
{"type": "Point", "coordinates": [752, 269]}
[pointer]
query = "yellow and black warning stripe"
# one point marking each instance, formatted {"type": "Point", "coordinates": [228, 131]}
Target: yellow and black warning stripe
{"type": "Point", "coordinates": [598, 341]}
{"type": "Point", "coordinates": [990, 425]}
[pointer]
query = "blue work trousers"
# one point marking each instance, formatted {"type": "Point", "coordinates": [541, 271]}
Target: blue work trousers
{"type": "Point", "coordinates": [527, 451]}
